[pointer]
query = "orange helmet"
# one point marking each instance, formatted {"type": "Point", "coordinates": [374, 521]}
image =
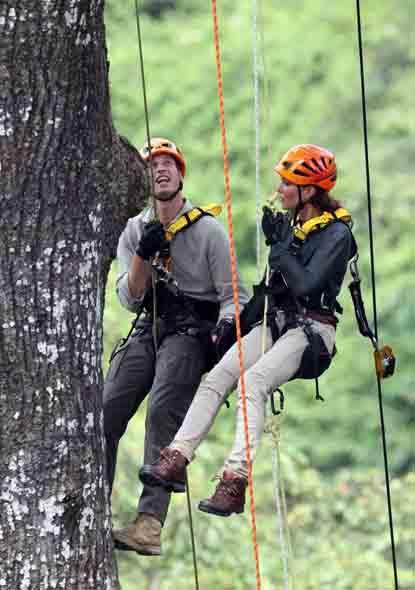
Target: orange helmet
{"type": "Point", "coordinates": [159, 146]}
{"type": "Point", "coordinates": [308, 164]}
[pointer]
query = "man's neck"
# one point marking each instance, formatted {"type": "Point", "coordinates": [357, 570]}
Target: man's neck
{"type": "Point", "coordinates": [168, 210]}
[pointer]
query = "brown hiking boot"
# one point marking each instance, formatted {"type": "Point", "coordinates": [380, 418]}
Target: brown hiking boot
{"type": "Point", "coordinates": [169, 471]}
{"type": "Point", "coordinates": [229, 496]}
{"type": "Point", "coordinates": [141, 536]}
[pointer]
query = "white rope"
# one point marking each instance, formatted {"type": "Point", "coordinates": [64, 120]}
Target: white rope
{"type": "Point", "coordinates": [273, 427]}
{"type": "Point", "coordinates": [257, 123]}
{"type": "Point", "coordinates": [273, 422]}
{"type": "Point", "coordinates": [280, 502]}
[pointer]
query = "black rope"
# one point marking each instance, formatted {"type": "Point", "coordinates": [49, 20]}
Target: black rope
{"type": "Point", "coordinates": [192, 533]}
{"type": "Point", "coordinates": [147, 119]}
{"type": "Point", "coordinates": [143, 84]}
{"type": "Point", "coordinates": [372, 264]}
{"type": "Point", "coordinates": [143, 81]}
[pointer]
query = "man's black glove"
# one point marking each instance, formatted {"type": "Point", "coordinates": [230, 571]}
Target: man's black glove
{"type": "Point", "coordinates": [224, 336]}
{"type": "Point", "coordinates": [276, 226]}
{"type": "Point", "coordinates": [153, 240]}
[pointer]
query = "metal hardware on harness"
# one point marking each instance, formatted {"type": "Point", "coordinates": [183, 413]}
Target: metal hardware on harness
{"type": "Point", "coordinates": [164, 276]}
{"type": "Point", "coordinates": [385, 360]}
{"type": "Point", "coordinates": [273, 409]}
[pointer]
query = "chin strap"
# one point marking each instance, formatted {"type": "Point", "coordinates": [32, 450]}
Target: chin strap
{"type": "Point", "coordinates": [300, 204]}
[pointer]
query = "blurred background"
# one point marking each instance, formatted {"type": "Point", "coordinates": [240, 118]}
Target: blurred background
{"type": "Point", "coordinates": [331, 453]}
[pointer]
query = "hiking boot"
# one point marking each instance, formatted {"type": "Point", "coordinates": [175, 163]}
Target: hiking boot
{"type": "Point", "coordinates": [169, 471]}
{"type": "Point", "coordinates": [229, 496]}
{"type": "Point", "coordinates": [141, 536]}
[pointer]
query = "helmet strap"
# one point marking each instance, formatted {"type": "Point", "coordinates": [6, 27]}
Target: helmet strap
{"type": "Point", "coordinates": [300, 204]}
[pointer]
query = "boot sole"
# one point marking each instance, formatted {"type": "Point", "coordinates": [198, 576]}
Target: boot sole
{"type": "Point", "coordinates": [216, 511]}
{"type": "Point", "coordinates": [149, 479]}
{"type": "Point", "coordinates": [148, 550]}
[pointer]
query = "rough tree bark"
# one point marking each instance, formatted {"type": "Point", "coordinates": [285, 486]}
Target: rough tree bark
{"type": "Point", "coordinates": [68, 184]}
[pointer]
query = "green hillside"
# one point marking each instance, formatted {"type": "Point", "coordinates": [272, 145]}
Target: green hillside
{"type": "Point", "coordinates": [310, 92]}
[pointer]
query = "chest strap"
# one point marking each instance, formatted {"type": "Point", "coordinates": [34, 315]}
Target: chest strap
{"type": "Point", "coordinates": [190, 217]}
{"type": "Point", "coordinates": [316, 223]}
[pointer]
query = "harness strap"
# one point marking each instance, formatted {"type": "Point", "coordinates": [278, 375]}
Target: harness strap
{"type": "Point", "coordinates": [190, 217]}
{"type": "Point", "coordinates": [316, 223]}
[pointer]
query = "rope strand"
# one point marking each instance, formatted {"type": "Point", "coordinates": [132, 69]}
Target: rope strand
{"type": "Point", "coordinates": [153, 277]}
{"type": "Point", "coordinates": [372, 266]}
{"type": "Point", "coordinates": [235, 286]}
{"type": "Point", "coordinates": [143, 85]}
{"type": "Point", "coordinates": [192, 533]}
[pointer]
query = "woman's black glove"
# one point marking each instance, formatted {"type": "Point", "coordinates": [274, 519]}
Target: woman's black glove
{"type": "Point", "coordinates": [276, 226]}
{"type": "Point", "coordinates": [152, 240]}
{"type": "Point", "coordinates": [224, 336]}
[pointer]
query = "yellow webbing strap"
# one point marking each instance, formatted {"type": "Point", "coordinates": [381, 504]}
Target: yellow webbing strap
{"type": "Point", "coordinates": [191, 217]}
{"type": "Point", "coordinates": [315, 223]}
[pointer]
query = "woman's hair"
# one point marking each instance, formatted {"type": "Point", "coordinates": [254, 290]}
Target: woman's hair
{"type": "Point", "coordinates": [324, 201]}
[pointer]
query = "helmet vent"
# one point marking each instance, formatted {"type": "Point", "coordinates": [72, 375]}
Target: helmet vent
{"type": "Point", "coordinates": [318, 164]}
{"type": "Point", "coordinates": [306, 165]}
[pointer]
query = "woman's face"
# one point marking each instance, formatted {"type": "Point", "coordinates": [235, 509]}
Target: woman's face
{"type": "Point", "coordinates": [288, 194]}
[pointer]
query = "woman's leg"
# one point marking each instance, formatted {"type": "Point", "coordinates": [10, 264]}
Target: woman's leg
{"type": "Point", "coordinates": [276, 367]}
{"type": "Point", "coordinates": [213, 391]}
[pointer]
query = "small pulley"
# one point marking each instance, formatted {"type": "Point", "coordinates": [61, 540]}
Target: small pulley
{"type": "Point", "coordinates": [385, 360]}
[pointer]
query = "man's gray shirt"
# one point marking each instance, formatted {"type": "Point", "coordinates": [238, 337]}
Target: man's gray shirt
{"type": "Point", "coordinates": [200, 261]}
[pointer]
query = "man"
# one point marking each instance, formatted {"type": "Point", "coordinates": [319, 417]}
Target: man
{"type": "Point", "coordinates": [177, 270]}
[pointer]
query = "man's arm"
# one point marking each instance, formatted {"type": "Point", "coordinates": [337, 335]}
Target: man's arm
{"type": "Point", "coordinates": [138, 276]}
{"type": "Point", "coordinates": [134, 273]}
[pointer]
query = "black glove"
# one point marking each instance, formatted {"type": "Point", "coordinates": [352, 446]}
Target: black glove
{"type": "Point", "coordinates": [153, 240]}
{"type": "Point", "coordinates": [276, 226]}
{"type": "Point", "coordinates": [225, 334]}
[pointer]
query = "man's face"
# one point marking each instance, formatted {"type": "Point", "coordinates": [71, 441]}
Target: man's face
{"type": "Point", "coordinates": [166, 176]}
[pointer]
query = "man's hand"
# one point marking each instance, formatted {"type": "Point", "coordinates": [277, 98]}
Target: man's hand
{"type": "Point", "coordinates": [276, 226]}
{"type": "Point", "coordinates": [224, 336]}
{"type": "Point", "coordinates": [152, 241]}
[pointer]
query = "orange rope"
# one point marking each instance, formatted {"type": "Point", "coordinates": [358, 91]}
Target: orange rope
{"type": "Point", "coordinates": [235, 287]}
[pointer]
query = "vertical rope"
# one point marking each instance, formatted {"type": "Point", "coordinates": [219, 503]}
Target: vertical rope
{"type": "Point", "coordinates": [280, 504]}
{"type": "Point", "coordinates": [235, 286]}
{"type": "Point", "coordinates": [257, 123]}
{"type": "Point", "coordinates": [192, 534]}
{"type": "Point", "coordinates": [278, 481]}
{"type": "Point", "coordinates": [153, 277]}
{"type": "Point", "coordinates": [143, 85]}
{"type": "Point", "coordinates": [372, 265]}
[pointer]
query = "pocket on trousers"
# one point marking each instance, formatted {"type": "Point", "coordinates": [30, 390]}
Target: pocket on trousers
{"type": "Point", "coordinates": [117, 359]}
{"type": "Point", "coordinates": [182, 367]}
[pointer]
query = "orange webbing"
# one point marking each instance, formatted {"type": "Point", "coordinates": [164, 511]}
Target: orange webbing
{"type": "Point", "coordinates": [235, 286]}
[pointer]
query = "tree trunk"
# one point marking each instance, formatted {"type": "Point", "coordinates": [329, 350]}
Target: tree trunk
{"type": "Point", "coordinates": [68, 184]}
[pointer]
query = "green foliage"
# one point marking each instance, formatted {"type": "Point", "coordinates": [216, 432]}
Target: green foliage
{"type": "Point", "coordinates": [310, 92]}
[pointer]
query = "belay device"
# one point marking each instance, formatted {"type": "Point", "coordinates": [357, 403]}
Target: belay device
{"type": "Point", "coordinates": [384, 358]}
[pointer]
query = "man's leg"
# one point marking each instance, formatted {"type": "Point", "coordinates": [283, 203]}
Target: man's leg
{"type": "Point", "coordinates": [179, 369]}
{"type": "Point", "coordinates": [127, 383]}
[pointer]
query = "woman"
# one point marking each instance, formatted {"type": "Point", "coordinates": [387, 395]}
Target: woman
{"type": "Point", "coordinates": [309, 251]}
